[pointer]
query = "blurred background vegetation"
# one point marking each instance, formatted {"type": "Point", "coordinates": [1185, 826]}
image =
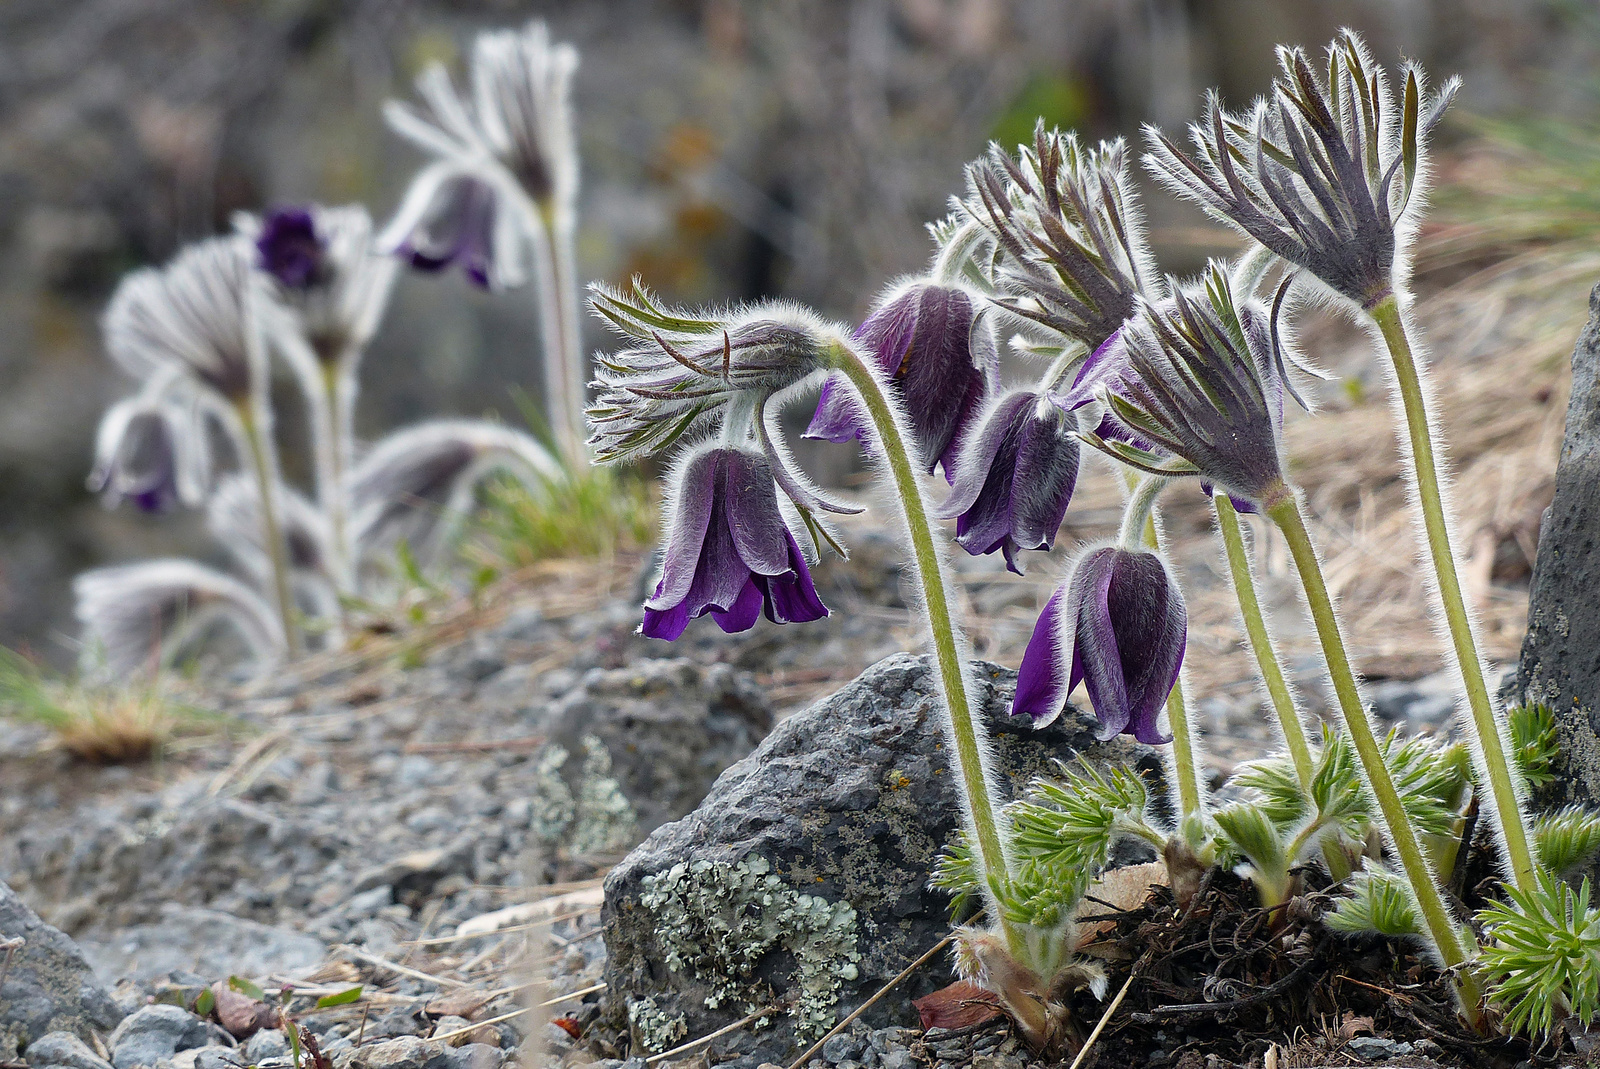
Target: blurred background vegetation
{"type": "Point", "coordinates": [732, 149]}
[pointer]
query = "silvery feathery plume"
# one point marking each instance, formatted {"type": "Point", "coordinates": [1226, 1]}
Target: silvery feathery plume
{"type": "Point", "coordinates": [147, 614]}
{"type": "Point", "coordinates": [1197, 386]}
{"type": "Point", "coordinates": [505, 160]}
{"type": "Point", "coordinates": [196, 317]}
{"type": "Point", "coordinates": [1322, 172]}
{"type": "Point", "coordinates": [1065, 235]}
{"type": "Point", "coordinates": [418, 483]}
{"type": "Point", "coordinates": [681, 374]}
{"type": "Point", "coordinates": [146, 452]}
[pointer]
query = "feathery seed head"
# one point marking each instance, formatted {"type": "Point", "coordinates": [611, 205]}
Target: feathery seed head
{"type": "Point", "coordinates": [679, 372]}
{"type": "Point", "coordinates": [1323, 172]}
{"type": "Point", "coordinates": [1067, 247]}
{"type": "Point", "coordinates": [522, 84]}
{"type": "Point", "coordinates": [196, 315]}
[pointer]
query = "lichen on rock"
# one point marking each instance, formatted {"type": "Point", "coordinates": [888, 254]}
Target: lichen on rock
{"type": "Point", "coordinates": [717, 921]}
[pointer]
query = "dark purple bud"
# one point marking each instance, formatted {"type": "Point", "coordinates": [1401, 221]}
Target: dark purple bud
{"type": "Point", "coordinates": [457, 228]}
{"type": "Point", "coordinates": [935, 347]}
{"type": "Point", "coordinates": [1014, 478]}
{"type": "Point", "coordinates": [729, 552]}
{"type": "Point", "coordinates": [290, 249]}
{"type": "Point", "coordinates": [1118, 625]}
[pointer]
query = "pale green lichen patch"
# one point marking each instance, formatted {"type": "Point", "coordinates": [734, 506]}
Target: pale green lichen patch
{"type": "Point", "coordinates": [598, 819]}
{"type": "Point", "coordinates": [717, 921]}
{"type": "Point", "coordinates": [653, 1028]}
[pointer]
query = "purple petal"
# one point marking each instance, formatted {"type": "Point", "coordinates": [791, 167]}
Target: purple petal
{"type": "Point", "coordinates": [289, 248]}
{"type": "Point", "coordinates": [943, 374]}
{"type": "Point", "coordinates": [751, 505]}
{"type": "Point", "coordinates": [838, 418]}
{"type": "Point", "coordinates": [665, 624]}
{"type": "Point", "coordinates": [978, 458]}
{"type": "Point", "coordinates": [687, 527]}
{"type": "Point", "coordinates": [742, 614]}
{"type": "Point", "coordinates": [1042, 681]}
{"type": "Point", "coordinates": [1046, 474]}
{"type": "Point", "coordinates": [1104, 367]}
{"type": "Point", "coordinates": [1147, 610]}
{"type": "Point", "coordinates": [458, 228]}
{"type": "Point", "coordinates": [1097, 656]}
{"type": "Point", "coordinates": [792, 598]}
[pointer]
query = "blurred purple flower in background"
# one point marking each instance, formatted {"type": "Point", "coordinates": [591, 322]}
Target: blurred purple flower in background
{"type": "Point", "coordinates": [728, 550]}
{"type": "Point", "coordinates": [290, 249]}
{"type": "Point", "coordinates": [1118, 624]}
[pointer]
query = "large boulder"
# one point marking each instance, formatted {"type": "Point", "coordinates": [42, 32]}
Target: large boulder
{"type": "Point", "coordinates": [49, 987]}
{"type": "Point", "coordinates": [802, 880]}
{"type": "Point", "coordinates": [1560, 663]}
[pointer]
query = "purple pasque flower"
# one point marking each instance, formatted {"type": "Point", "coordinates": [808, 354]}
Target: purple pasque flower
{"type": "Point", "coordinates": [457, 226]}
{"type": "Point", "coordinates": [290, 249]}
{"type": "Point", "coordinates": [1118, 625]}
{"type": "Point", "coordinates": [937, 349]}
{"type": "Point", "coordinates": [1321, 172]}
{"type": "Point", "coordinates": [1066, 235]}
{"type": "Point", "coordinates": [728, 550]}
{"type": "Point", "coordinates": [1014, 477]}
{"type": "Point", "coordinates": [1197, 389]}
{"type": "Point", "coordinates": [148, 452]}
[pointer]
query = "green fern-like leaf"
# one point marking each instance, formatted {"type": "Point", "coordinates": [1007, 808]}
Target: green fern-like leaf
{"type": "Point", "coordinates": [956, 871]}
{"type": "Point", "coordinates": [1275, 788]}
{"type": "Point", "coordinates": [1543, 958]}
{"type": "Point", "coordinates": [1074, 820]}
{"type": "Point", "coordinates": [1252, 833]}
{"type": "Point", "coordinates": [1534, 741]}
{"type": "Point", "coordinates": [1041, 895]}
{"type": "Point", "coordinates": [1336, 786]}
{"type": "Point", "coordinates": [1379, 904]}
{"type": "Point", "coordinates": [1567, 838]}
{"type": "Point", "coordinates": [1433, 781]}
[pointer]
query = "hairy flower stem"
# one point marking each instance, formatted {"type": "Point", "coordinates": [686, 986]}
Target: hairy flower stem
{"type": "Point", "coordinates": [1139, 524]}
{"type": "Point", "coordinates": [967, 731]}
{"type": "Point", "coordinates": [1490, 753]}
{"type": "Point", "coordinates": [330, 418]}
{"type": "Point", "coordinates": [1441, 927]}
{"type": "Point", "coordinates": [263, 464]}
{"type": "Point", "coordinates": [1255, 626]}
{"type": "Point", "coordinates": [564, 367]}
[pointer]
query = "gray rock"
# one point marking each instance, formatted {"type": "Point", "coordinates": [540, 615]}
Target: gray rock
{"type": "Point", "coordinates": [822, 840]}
{"type": "Point", "coordinates": [1376, 1048]}
{"type": "Point", "coordinates": [407, 1052]}
{"type": "Point", "coordinates": [841, 1048]}
{"type": "Point", "coordinates": [154, 1034]}
{"type": "Point", "coordinates": [50, 986]}
{"type": "Point", "coordinates": [897, 1059]}
{"type": "Point", "coordinates": [1558, 664]}
{"type": "Point", "coordinates": [670, 726]}
{"type": "Point", "coordinates": [207, 942]}
{"type": "Point", "coordinates": [267, 1043]}
{"type": "Point", "coordinates": [63, 1050]}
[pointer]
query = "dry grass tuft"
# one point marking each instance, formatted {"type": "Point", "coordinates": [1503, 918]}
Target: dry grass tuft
{"type": "Point", "coordinates": [101, 725]}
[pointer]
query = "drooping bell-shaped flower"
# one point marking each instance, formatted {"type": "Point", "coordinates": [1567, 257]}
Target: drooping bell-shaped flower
{"type": "Point", "coordinates": [1198, 389]}
{"type": "Point", "coordinates": [1065, 237]}
{"type": "Point", "coordinates": [1014, 478]}
{"type": "Point", "coordinates": [505, 162]}
{"type": "Point", "coordinates": [679, 373]}
{"type": "Point", "coordinates": [147, 452]}
{"type": "Point", "coordinates": [147, 614]}
{"type": "Point", "coordinates": [729, 551]}
{"type": "Point", "coordinates": [937, 349]}
{"type": "Point", "coordinates": [196, 316]}
{"type": "Point", "coordinates": [1322, 172]}
{"type": "Point", "coordinates": [1118, 625]}
{"type": "Point", "coordinates": [327, 276]}
{"type": "Point", "coordinates": [419, 483]}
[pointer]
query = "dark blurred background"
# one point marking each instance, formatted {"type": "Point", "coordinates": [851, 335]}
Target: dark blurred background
{"type": "Point", "coordinates": [731, 149]}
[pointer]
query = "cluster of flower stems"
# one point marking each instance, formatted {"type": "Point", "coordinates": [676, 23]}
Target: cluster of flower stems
{"type": "Point", "coordinates": [1188, 380]}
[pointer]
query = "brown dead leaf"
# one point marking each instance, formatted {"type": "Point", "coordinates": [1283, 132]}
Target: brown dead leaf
{"type": "Point", "coordinates": [240, 1014]}
{"type": "Point", "coordinates": [1353, 1026]}
{"type": "Point", "coordinates": [1124, 889]}
{"type": "Point", "coordinates": [961, 1005]}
